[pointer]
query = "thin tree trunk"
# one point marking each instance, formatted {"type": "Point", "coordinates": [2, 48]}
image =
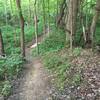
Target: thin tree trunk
{"type": "Point", "coordinates": [11, 6]}
{"type": "Point", "coordinates": [94, 21]}
{"type": "Point", "coordinates": [48, 16]}
{"type": "Point", "coordinates": [22, 28]}
{"type": "Point", "coordinates": [62, 8]}
{"type": "Point", "coordinates": [36, 25]}
{"type": "Point", "coordinates": [5, 5]}
{"type": "Point", "coordinates": [30, 11]}
{"type": "Point", "coordinates": [57, 14]}
{"type": "Point", "coordinates": [15, 37]}
{"type": "Point", "coordinates": [1, 44]}
{"type": "Point", "coordinates": [44, 16]}
{"type": "Point", "coordinates": [72, 20]}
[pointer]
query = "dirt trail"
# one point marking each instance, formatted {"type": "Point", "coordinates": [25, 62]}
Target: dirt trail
{"type": "Point", "coordinates": [34, 82]}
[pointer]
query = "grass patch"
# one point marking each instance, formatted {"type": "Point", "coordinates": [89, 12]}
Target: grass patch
{"type": "Point", "coordinates": [77, 51]}
{"type": "Point", "coordinates": [6, 88]}
{"type": "Point", "coordinates": [57, 64]}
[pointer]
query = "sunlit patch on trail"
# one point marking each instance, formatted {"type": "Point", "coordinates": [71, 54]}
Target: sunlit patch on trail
{"type": "Point", "coordinates": [34, 45]}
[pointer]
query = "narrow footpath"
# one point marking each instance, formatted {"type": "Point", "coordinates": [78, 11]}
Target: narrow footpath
{"type": "Point", "coordinates": [34, 82]}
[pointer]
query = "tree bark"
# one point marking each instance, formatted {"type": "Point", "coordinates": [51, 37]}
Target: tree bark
{"type": "Point", "coordinates": [62, 8]}
{"type": "Point", "coordinates": [30, 11]}
{"type": "Point", "coordinates": [48, 16]}
{"type": "Point", "coordinates": [94, 21]}
{"type": "Point", "coordinates": [71, 20]}
{"type": "Point", "coordinates": [44, 16]}
{"type": "Point", "coordinates": [1, 44]}
{"type": "Point", "coordinates": [22, 28]}
{"type": "Point", "coordinates": [6, 21]}
{"type": "Point", "coordinates": [36, 25]}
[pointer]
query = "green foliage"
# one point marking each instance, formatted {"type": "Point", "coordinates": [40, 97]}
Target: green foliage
{"type": "Point", "coordinates": [77, 51]}
{"type": "Point", "coordinates": [49, 48]}
{"type": "Point", "coordinates": [13, 64]}
{"type": "Point", "coordinates": [2, 61]}
{"type": "Point", "coordinates": [11, 37]}
{"type": "Point", "coordinates": [58, 64]}
{"type": "Point", "coordinates": [76, 80]}
{"type": "Point", "coordinates": [10, 66]}
{"type": "Point", "coordinates": [13, 50]}
{"type": "Point", "coordinates": [29, 33]}
{"type": "Point", "coordinates": [78, 40]}
{"type": "Point", "coordinates": [54, 42]}
{"type": "Point", "coordinates": [97, 35]}
{"type": "Point", "coordinates": [6, 90]}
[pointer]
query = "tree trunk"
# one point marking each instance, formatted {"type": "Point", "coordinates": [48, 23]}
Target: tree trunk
{"type": "Point", "coordinates": [94, 21]}
{"type": "Point", "coordinates": [71, 19]}
{"type": "Point", "coordinates": [11, 5]}
{"type": "Point", "coordinates": [44, 16]}
{"type": "Point", "coordinates": [1, 44]}
{"type": "Point", "coordinates": [6, 19]}
{"type": "Point", "coordinates": [36, 25]}
{"type": "Point", "coordinates": [48, 16]}
{"type": "Point", "coordinates": [30, 11]}
{"type": "Point", "coordinates": [60, 17]}
{"type": "Point", "coordinates": [22, 28]}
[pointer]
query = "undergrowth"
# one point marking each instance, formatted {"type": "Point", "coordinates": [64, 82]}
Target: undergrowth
{"type": "Point", "coordinates": [54, 42]}
{"type": "Point", "coordinates": [57, 59]}
{"type": "Point", "coordinates": [11, 36]}
{"type": "Point", "coordinates": [11, 65]}
{"type": "Point", "coordinates": [57, 64]}
{"type": "Point", "coordinates": [60, 65]}
{"type": "Point", "coordinates": [9, 68]}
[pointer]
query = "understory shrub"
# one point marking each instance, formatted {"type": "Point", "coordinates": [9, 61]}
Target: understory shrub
{"type": "Point", "coordinates": [9, 68]}
{"type": "Point", "coordinates": [57, 64]}
{"type": "Point", "coordinates": [6, 89]}
{"type": "Point", "coordinates": [54, 42]}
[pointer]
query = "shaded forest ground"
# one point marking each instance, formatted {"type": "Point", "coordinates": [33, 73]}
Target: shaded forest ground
{"type": "Point", "coordinates": [34, 83]}
{"type": "Point", "coordinates": [81, 81]}
{"type": "Point", "coordinates": [73, 76]}
{"type": "Point", "coordinates": [76, 73]}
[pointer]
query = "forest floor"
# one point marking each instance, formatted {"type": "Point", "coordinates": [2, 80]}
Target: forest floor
{"type": "Point", "coordinates": [34, 83]}
{"type": "Point", "coordinates": [87, 87]}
